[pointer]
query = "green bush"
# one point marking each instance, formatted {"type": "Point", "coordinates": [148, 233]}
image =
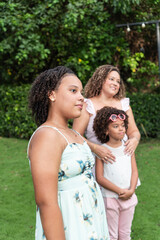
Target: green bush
{"type": "Point", "coordinates": [143, 73]}
{"type": "Point", "coordinates": [146, 113]}
{"type": "Point", "coordinates": [37, 35]}
{"type": "Point", "coordinates": [16, 120]}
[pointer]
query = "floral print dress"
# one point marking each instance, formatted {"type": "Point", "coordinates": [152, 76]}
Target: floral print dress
{"type": "Point", "coordinates": [79, 196]}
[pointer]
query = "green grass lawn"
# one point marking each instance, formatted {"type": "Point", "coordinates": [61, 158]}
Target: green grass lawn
{"type": "Point", "coordinates": [146, 224]}
{"type": "Point", "coordinates": [17, 205]}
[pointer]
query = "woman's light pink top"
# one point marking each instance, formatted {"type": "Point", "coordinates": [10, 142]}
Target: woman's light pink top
{"type": "Point", "coordinates": [89, 133]}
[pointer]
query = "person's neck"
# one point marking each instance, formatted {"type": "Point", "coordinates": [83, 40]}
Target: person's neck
{"type": "Point", "coordinates": [114, 143]}
{"type": "Point", "coordinates": [105, 99]}
{"type": "Point", "coordinates": [57, 122]}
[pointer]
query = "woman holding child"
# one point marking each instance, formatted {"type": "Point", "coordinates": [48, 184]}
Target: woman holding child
{"type": "Point", "coordinates": [106, 88]}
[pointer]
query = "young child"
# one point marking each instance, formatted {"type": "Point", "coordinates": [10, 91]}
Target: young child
{"type": "Point", "coordinates": [118, 180]}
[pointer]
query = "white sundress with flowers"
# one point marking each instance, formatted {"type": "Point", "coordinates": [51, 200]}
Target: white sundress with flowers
{"type": "Point", "coordinates": [79, 196]}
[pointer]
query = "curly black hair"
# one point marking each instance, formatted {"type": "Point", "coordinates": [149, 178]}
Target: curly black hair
{"type": "Point", "coordinates": [94, 85]}
{"type": "Point", "coordinates": [102, 121]}
{"type": "Point", "coordinates": [41, 89]}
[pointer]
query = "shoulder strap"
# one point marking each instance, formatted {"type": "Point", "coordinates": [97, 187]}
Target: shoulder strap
{"type": "Point", "coordinates": [44, 127]}
{"type": "Point", "coordinates": [78, 134]}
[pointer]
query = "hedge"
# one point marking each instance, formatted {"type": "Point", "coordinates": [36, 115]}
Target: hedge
{"type": "Point", "coordinates": [146, 110]}
{"type": "Point", "coordinates": [16, 120]}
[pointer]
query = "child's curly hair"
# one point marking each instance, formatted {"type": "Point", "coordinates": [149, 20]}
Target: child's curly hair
{"type": "Point", "coordinates": [41, 89]}
{"type": "Point", "coordinates": [94, 85]}
{"type": "Point", "coordinates": [102, 121]}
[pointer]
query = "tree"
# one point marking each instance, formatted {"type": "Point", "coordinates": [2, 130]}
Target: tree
{"type": "Point", "coordinates": [37, 34]}
{"type": "Point", "coordinates": [140, 61]}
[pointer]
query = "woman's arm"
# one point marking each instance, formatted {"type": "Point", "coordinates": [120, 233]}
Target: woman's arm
{"type": "Point", "coordinates": [103, 181]}
{"type": "Point", "coordinates": [132, 133]}
{"type": "Point", "coordinates": [80, 125]}
{"type": "Point", "coordinates": [101, 152]}
{"type": "Point", "coordinates": [45, 155]}
{"type": "Point", "coordinates": [134, 178]}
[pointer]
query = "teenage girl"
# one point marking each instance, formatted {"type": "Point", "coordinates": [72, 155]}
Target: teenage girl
{"type": "Point", "coordinates": [69, 202]}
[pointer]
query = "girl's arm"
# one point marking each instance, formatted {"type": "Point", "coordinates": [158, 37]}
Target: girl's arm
{"type": "Point", "coordinates": [80, 125]}
{"type": "Point", "coordinates": [134, 178]}
{"type": "Point", "coordinates": [132, 133]}
{"type": "Point", "coordinates": [45, 155]}
{"type": "Point", "coordinates": [103, 181]}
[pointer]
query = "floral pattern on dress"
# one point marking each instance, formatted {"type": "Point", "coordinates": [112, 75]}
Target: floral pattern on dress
{"type": "Point", "coordinates": [79, 196]}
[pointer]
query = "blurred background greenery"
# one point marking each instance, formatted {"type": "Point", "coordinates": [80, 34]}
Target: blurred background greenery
{"type": "Point", "coordinates": [37, 35]}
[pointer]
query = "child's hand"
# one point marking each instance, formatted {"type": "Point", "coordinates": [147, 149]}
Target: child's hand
{"type": "Point", "coordinates": [126, 194]}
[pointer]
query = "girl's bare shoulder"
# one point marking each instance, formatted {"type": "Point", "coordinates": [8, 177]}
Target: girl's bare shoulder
{"type": "Point", "coordinates": [47, 136]}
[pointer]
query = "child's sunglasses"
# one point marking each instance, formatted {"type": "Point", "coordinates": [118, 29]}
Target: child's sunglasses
{"type": "Point", "coordinates": [114, 117]}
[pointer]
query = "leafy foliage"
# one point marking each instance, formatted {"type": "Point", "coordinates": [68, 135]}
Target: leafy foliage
{"type": "Point", "coordinates": [124, 6]}
{"type": "Point", "coordinates": [36, 34]}
{"type": "Point", "coordinates": [16, 120]}
{"type": "Point", "coordinates": [143, 73]}
{"type": "Point", "coordinates": [146, 113]}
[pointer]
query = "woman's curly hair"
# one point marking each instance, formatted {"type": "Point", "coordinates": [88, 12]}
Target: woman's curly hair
{"type": "Point", "coordinates": [102, 121]}
{"type": "Point", "coordinates": [95, 83]}
{"type": "Point", "coordinates": [41, 89]}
